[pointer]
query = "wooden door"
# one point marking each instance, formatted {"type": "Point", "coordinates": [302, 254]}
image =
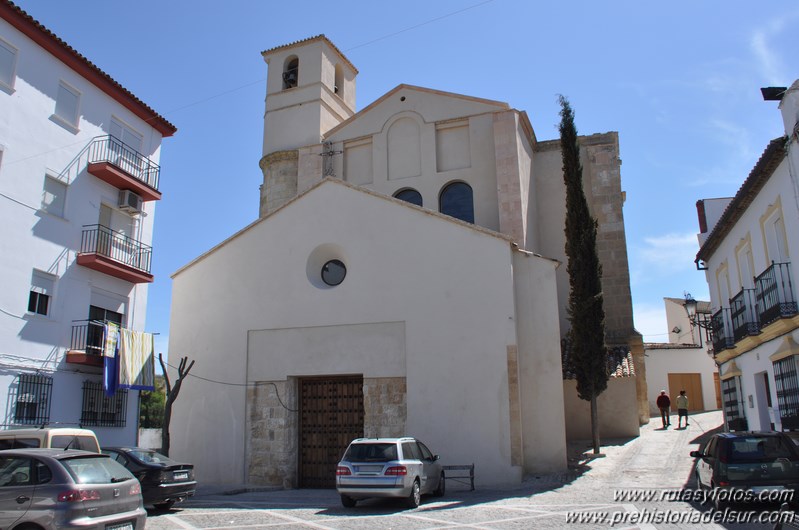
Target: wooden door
{"type": "Point", "coordinates": [692, 384]}
{"type": "Point", "coordinates": [331, 415]}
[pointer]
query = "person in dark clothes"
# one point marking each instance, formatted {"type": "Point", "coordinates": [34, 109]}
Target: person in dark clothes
{"type": "Point", "coordinates": [664, 403]}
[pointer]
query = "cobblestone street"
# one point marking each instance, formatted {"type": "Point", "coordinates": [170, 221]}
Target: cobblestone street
{"type": "Point", "coordinates": [657, 460]}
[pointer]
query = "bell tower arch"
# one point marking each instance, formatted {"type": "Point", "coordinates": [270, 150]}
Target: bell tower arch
{"type": "Point", "coordinates": [310, 88]}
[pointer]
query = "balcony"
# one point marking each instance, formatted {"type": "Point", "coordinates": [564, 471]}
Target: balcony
{"type": "Point", "coordinates": [115, 254]}
{"type": "Point", "coordinates": [774, 289]}
{"type": "Point", "coordinates": [719, 324]}
{"type": "Point", "coordinates": [743, 313]}
{"type": "Point", "coordinates": [86, 344]}
{"type": "Point", "coordinates": [124, 168]}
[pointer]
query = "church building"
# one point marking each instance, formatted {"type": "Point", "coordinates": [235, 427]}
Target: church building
{"type": "Point", "coordinates": [406, 276]}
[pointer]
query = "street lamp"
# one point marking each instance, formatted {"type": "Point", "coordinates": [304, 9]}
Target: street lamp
{"type": "Point", "coordinates": [697, 320]}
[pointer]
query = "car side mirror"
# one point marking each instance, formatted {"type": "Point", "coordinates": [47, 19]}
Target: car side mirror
{"type": "Point", "coordinates": [697, 454]}
{"type": "Point", "coordinates": [435, 457]}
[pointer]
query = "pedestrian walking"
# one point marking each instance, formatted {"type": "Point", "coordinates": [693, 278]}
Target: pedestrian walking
{"type": "Point", "coordinates": [664, 404]}
{"type": "Point", "coordinates": [682, 408]}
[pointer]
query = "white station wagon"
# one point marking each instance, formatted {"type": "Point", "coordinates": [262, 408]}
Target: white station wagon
{"type": "Point", "coordinates": [388, 467]}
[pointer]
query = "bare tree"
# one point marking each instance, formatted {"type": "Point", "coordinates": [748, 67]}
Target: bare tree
{"type": "Point", "coordinates": [171, 396]}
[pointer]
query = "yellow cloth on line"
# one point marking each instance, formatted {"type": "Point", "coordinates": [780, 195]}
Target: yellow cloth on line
{"type": "Point", "coordinates": [136, 360]}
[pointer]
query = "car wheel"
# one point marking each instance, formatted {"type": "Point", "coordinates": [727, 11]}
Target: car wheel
{"type": "Point", "coordinates": [698, 481]}
{"type": "Point", "coordinates": [442, 485]}
{"type": "Point", "coordinates": [348, 502]}
{"type": "Point", "coordinates": [415, 498]}
{"type": "Point", "coordinates": [164, 505]}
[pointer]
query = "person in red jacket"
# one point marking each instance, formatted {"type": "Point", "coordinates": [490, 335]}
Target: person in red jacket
{"type": "Point", "coordinates": [664, 403]}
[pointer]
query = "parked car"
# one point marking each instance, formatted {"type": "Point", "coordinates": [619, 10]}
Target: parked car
{"type": "Point", "coordinates": [58, 488]}
{"type": "Point", "coordinates": [742, 465]}
{"type": "Point", "coordinates": [163, 481]}
{"type": "Point", "coordinates": [56, 437]}
{"type": "Point", "coordinates": [388, 467]}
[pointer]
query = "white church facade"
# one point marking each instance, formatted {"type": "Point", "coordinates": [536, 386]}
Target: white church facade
{"type": "Point", "coordinates": [406, 276]}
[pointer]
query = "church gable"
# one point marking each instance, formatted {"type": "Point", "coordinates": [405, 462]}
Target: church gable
{"type": "Point", "coordinates": [432, 106]}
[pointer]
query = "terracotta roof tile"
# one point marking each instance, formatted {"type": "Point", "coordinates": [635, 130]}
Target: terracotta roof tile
{"type": "Point", "coordinates": [48, 40]}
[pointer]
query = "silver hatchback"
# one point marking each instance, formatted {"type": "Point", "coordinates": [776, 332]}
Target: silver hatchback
{"type": "Point", "coordinates": [388, 467]}
{"type": "Point", "coordinates": [57, 488]}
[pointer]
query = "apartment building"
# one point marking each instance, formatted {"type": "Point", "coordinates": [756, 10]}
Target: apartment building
{"type": "Point", "coordinates": [79, 180]}
{"type": "Point", "coordinates": [746, 248]}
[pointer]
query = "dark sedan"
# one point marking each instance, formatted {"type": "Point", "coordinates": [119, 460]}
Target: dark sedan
{"type": "Point", "coordinates": [163, 480]}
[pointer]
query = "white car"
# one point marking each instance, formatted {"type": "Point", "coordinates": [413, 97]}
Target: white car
{"type": "Point", "coordinates": [388, 467]}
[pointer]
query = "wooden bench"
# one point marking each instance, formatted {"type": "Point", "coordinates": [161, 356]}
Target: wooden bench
{"type": "Point", "coordinates": [463, 472]}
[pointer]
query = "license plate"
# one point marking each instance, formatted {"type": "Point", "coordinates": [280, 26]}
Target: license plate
{"type": "Point", "coordinates": [758, 489]}
{"type": "Point", "coordinates": [368, 469]}
{"type": "Point", "coordinates": [181, 476]}
{"type": "Point", "coordinates": [123, 526]}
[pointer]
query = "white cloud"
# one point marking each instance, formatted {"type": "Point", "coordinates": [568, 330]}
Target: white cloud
{"type": "Point", "coordinates": [768, 59]}
{"type": "Point", "coordinates": [669, 253]}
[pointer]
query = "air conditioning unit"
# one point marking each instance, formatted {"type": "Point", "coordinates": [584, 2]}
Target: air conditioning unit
{"type": "Point", "coordinates": [129, 201]}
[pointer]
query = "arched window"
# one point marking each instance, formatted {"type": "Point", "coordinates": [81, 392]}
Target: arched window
{"type": "Point", "coordinates": [409, 195]}
{"type": "Point", "coordinates": [291, 72]}
{"type": "Point", "coordinates": [338, 83]}
{"type": "Point", "coordinates": [456, 200]}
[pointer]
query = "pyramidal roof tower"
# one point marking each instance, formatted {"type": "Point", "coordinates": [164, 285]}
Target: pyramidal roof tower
{"type": "Point", "coordinates": [310, 88]}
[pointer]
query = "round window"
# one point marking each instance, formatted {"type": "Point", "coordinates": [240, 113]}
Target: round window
{"type": "Point", "coordinates": [333, 272]}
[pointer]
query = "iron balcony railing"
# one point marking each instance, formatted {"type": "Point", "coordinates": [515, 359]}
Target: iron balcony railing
{"type": "Point", "coordinates": [88, 337]}
{"type": "Point", "coordinates": [720, 323]}
{"type": "Point", "coordinates": [743, 311]}
{"type": "Point", "coordinates": [112, 150]}
{"type": "Point", "coordinates": [101, 240]}
{"type": "Point", "coordinates": [774, 291]}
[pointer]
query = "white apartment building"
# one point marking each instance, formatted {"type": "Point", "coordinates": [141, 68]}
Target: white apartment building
{"type": "Point", "coordinates": [79, 180]}
{"type": "Point", "coordinates": [746, 249]}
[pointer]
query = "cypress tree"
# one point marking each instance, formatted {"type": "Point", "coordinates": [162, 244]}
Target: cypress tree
{"type": "Point", "coordinates": [588, 358]}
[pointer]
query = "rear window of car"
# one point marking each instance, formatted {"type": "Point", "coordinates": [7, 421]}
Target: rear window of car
{"type": "Point", "coordinates": [151, 457]}
{"type": "Point", "coordinates": [371, 452]}
{"type": "Point", "coordinates": [759, 449]}
{"type": "Point", "coordinates": [72, 441]}
{"type": "Point", "coordinates": [96, 470]}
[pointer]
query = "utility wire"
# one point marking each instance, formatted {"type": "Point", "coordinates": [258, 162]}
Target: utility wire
{"type": "Point", "coordinates": [418, 25]}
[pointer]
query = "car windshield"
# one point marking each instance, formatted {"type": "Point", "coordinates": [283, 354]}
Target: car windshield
{"type": "Point", "coordinates": [74, 441]}
{"type": "Point", "coordinates": [96, 470]}
{"type": "Point", "coordinates": [371, 452]}
{"type": "Point", "coordinates": [150, 457]}
{"type": "Point", "coordinates": [759, 449]}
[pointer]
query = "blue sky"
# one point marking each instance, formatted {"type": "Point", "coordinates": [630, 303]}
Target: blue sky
{"type": "Point", "coordinates": [679, 81]}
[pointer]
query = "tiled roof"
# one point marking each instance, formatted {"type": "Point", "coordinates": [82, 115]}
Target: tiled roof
{"type": "Point", "coordinates": [69, 56]}
{"type": "Point", "coordinates": [620, 361]}
{"type": "Point", "coordinates": [310, 39]}
{"type": "Point", "coordinates": [769, 161]}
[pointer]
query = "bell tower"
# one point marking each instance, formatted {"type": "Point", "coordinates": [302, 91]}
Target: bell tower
{"type": "Point", "coordinates": [310, 88]}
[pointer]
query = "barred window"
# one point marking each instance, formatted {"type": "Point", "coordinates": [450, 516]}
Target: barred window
{"type": "Point", "coordinates": [33, 399]}
{"type": "Point", "coordinates": [100, 410]}
{"type": "Point", "coordinates": [787, 383]}
{"type": "Point", "coordinates": [733, 408]}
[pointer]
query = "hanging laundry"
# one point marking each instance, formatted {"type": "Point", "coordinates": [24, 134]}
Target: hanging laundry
{"type": "Point", "coordinates": [136, 360]}
{"type": "Point", "coordinates": [110, 345]}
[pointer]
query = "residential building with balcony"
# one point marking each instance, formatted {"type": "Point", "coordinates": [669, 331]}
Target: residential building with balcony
{"type": "Point", "coordinates": [79, 180]}
{"type": "Point", "coordinates": [748, 248]}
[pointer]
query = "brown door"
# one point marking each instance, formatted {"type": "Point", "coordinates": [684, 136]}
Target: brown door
{"type": "Point", "coordinates": [331, 415]}
{"type": "Point", "coordinates": [692, 384]}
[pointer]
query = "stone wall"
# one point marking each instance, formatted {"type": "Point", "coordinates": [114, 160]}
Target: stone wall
{"type": "Point", "coordinates": [385, 407]}
{"type": "Point", "coordinates": [280, 180]}
{"type": "Point", "coordinates": [273, 434]}
{"type": "Point", "coordinates": [273, 425]}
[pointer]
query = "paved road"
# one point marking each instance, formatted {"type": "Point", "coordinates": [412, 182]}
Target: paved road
{"type": "Point", "coordinates": [657, 459]}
